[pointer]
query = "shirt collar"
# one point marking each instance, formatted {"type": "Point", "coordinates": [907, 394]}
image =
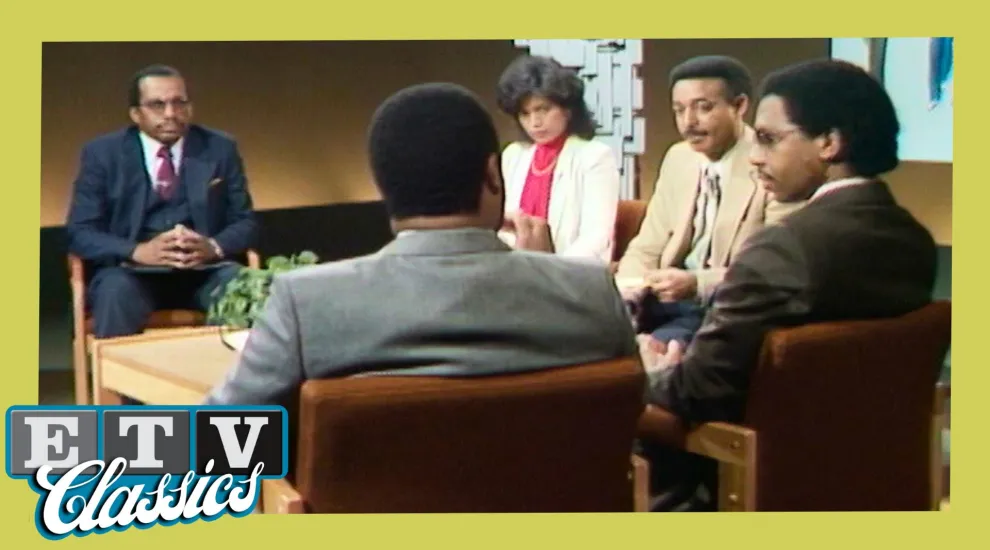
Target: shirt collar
{"type": "Point", "coordinates": [838, 184]}
{"type": "Point", "coordinates": [718, 167]}
{"type": "Point", "coordinates": [713, 167]}
{"type": "Point", "coordinates": [152, 145]}
{"type": "Point", "coordinates": [468, 230]}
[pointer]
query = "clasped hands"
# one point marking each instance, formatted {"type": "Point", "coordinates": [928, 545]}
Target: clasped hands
{"type": "Point", "coordinates": [668, 285]}
{"type": "Point", "coordinates": [180, 247]}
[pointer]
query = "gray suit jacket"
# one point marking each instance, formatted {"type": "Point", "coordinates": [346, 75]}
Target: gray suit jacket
{"type": "Point", "coordinates": [442, 303]}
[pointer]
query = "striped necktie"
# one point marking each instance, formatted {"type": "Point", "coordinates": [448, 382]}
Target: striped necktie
{"type": "Point", "coordinates": [165, 181]}
{"type": "Point", "coordinates": [710, 195]}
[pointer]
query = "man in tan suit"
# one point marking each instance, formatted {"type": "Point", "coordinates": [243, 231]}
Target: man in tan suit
{"type": "Point", "coordinates": [704, 206]}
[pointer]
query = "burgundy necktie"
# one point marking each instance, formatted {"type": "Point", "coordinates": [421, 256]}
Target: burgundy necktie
{"type": "Point", "coordinates": [166, 174]}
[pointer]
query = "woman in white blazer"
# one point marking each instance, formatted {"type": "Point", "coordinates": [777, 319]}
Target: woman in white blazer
{"type": "Point", "coordinates": [556, 172]}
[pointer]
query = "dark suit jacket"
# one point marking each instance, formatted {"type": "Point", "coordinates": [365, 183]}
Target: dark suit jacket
{"type": "Point", "coordinates": [110, 192]}
{"type": "Point", "coordinates": [852, 253]}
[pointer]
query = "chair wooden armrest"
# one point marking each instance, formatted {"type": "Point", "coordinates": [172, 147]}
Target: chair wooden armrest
{"type": "Point", "coordinates": [76, 274]}
{"type": "Point", "coordinates": [722, 441]}
{"type": "Point", "coordinates": [733, 446]}
{"type": "Point", "coordinates": [278, 496]}
{"type": "Point", "coordinates": [253, 259]}
{"type": "Point", "coordinates": [943, 390]}
{"type": "Point", "coordinates": [719, 440]}
{"type": "Point", "coordinates": [77, 284]}
{"type": "Point", "coordinates": [727, 443]}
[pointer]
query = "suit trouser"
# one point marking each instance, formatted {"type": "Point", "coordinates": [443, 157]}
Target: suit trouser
{"type": "Point", "coordinates": [669, 321]}
{"type": "Point", "coordinates": [680, 481]}
{"type": "Point", "coordinates": [121, 300]}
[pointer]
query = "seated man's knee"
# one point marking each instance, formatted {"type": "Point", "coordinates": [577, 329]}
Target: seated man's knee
{"type": "Point", "coordinates": [228, 274]}
{"type": "Point", "coordinates": [214, 287]}
{"type": "Point", "coordinates": [665, 337]}
{"type": "Point", "coordinates": [119, 303]}
{"type": "Point", "coordinates": [117, 283]}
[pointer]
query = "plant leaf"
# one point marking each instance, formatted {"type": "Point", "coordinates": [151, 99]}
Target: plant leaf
{"type": "Point", "coordinates": [241, 301]}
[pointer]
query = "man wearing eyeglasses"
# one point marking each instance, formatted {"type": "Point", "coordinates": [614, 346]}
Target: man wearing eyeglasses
{"type": "Point", "coordinates": [159, 209]}
{"type": "Point", "coordinates": [704, 206]}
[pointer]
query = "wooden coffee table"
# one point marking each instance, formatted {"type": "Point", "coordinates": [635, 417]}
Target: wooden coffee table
{"type": "Point", "coordinates": [168, 367]}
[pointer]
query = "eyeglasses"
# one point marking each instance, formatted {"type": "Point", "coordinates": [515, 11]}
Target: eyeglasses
{"type": "Point", "coordinates": [159, 106]}
{"type": "Point", "coordinates": [771, 139]}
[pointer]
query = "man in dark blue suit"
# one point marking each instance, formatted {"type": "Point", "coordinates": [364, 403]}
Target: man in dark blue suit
{"type": "Point", "coordinates": [158, 209]}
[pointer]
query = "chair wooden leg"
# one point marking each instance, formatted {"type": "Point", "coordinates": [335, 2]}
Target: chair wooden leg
{"type": "Point", "coordinates": [80, 367]}
{"type": "Point", "coordinates": [641, 484]}
{"type": "Point", "coordinates": [734, 447]}
{"type": "Point", "coordinates": [278, 496]}
{"type": "Point", "coordinates": [737, 488]}
{"type": "Point", "coordinates": [938, 469]}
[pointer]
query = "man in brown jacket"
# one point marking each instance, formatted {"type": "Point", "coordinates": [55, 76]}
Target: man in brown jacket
{"type": "Point", "coordinates": [826, 134]}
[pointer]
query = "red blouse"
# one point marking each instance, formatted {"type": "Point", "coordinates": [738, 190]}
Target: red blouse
{"type": "Point", "coordinates": [535, 199]}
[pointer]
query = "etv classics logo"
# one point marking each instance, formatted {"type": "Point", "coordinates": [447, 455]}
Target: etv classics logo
{"type": "Point", "coordinates": [102, 468]}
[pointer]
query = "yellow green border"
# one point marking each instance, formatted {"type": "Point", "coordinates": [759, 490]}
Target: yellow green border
{"type": "Point", "coordinates": [24, 27]}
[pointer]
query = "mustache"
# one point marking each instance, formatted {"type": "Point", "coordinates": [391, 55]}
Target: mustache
{"type": "Point", "coordinates": [694, 132]}
{"type": "Point", "coordinates": [756, 174]}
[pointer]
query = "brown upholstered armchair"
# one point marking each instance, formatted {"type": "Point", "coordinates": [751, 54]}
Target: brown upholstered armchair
{"type": "Point", "coordinates": [843, 416]}
{"type": "Point", "coordinates": [82, 323]}
{"type": "Point", "coordinates": [628, 218]}
{"type": "Point", "coordinates": [550, 441]}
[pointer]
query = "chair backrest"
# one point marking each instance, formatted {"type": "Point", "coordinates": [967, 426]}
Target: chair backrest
{"type": "Point", "coordinates": [843, 413]}
{"type": "Point", "coordinates": [558, 440]}
{"type": "Point", "coordinates": [628, 219]}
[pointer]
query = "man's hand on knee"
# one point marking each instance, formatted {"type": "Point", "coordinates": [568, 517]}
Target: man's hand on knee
{"type": "Point", "coordinates": [658, 355]}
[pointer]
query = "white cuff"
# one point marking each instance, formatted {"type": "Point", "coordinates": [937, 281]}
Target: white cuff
{"type": "Point", "coordinates": [216, 248]}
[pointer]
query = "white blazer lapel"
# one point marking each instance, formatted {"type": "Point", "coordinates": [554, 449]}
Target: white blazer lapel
{"type": "Point", "coordinates": [515, 179]}
{"type": "Point", "coordinates": [562, 189]}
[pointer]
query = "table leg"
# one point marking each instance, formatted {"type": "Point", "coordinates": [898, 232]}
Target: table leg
{"type": "Point", "coordinates": [108, 397]}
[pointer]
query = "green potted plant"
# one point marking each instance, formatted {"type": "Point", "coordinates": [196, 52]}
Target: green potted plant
{"type": "Point", "coordinates": [238, 304]}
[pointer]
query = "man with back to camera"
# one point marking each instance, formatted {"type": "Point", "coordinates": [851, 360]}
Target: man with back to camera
{"type": "Point", "coordinates": [447, 297]}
